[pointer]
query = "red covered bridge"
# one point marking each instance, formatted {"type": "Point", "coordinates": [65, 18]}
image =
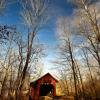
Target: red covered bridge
{"type": "Point", "coordinates": [46, 85]}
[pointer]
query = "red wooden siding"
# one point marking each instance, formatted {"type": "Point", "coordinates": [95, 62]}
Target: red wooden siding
{"type": "Point", "coordinates": [35, 86]}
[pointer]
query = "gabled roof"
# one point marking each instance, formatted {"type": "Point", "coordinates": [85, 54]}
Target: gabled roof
{"type": "Point", "coordinates": [46, 75]}
{"type": "Point", "coordinates": [43, 77]}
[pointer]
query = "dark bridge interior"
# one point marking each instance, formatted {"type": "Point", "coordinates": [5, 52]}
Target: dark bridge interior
{"type": "Point", "coordinates": [46, 89]}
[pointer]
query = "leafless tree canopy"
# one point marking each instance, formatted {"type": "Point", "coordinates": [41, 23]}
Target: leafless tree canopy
{"type": "Point", "coordinates": [79, 50]}
{"type": "Point", "coordinates": [21, 57]}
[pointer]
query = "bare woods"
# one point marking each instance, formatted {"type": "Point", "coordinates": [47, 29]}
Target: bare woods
{"type": "Point", "coordinates": [78, 59]}
{"type": "Point", "coordinates": [78, 56]}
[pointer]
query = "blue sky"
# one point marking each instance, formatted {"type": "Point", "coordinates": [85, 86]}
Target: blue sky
{"type": "Point", "coordinates": [47, 36]}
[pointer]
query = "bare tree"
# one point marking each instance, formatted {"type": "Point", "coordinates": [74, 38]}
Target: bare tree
{"type": "Point", "coordinates": [89, 25]}
{"type": "Point", "coordinates": [87, 63]}
{"type": "Point", "coordinates": [2, 6]}
{"type": "Point", "coordinates": [8, 65]}
{"type": "Point", "coordinates": [26, 52]}
{"type": "Point", "coordinates": [86, 26]}
{"type": "Point", "coordinates": [35, 18]}
{"type": "Point", "coordinates": [66, 48]}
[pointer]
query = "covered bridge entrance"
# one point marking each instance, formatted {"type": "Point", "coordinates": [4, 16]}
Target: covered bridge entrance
{"type": "Point", "coordinates": [44, 86]}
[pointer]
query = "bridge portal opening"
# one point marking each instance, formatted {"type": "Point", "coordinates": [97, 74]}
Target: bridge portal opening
{"type": "Point", "coordinates": [46, 89]}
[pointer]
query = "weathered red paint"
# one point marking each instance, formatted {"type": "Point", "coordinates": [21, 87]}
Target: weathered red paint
{"type": "Point", "coordinates": [35, 86]}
